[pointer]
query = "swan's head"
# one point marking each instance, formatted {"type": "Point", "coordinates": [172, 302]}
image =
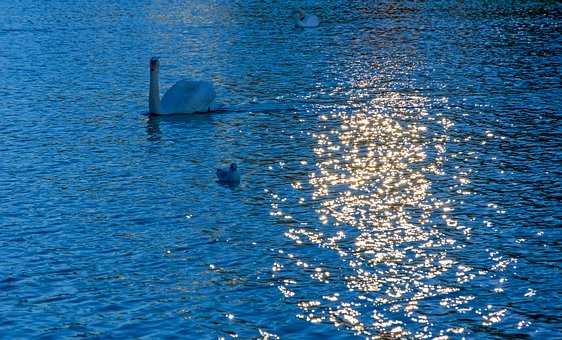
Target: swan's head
{"type": "Point", "coordinates": [298, 14]}
{"type": "Point", "coordinates": [154, 64]}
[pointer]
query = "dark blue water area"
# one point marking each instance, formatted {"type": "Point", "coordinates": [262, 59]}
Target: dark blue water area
{"type": "Point", "coordinates": [400, 170]}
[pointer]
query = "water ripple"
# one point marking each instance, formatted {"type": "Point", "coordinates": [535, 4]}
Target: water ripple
{"type": "Point", "coordinates": [400, 171]}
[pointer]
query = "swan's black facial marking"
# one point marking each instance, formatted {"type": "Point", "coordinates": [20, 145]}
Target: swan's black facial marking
{"type": "Point", "coordinates": [153, 64]}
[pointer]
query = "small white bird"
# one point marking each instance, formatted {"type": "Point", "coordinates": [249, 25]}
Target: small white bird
{"type": "Point", "coordinates": [186, 96]}
{"type": "Point", "coordinates": [229, 175]}
{"type": "Point", "coordinates": [304, 20]}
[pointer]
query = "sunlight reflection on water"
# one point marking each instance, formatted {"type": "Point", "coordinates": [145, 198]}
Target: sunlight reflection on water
{"type": "Point", "coordinates": [372, 177]}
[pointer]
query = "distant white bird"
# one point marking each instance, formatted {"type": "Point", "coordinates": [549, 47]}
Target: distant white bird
{"type": "Point", "coordinates": [229, 175]}
{"type": "Point", "coordinates": [304, 20]}
{"type": "Point", "coordinates": [185, 96]}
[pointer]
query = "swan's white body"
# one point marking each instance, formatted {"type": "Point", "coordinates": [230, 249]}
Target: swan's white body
{"type": "Point", "coordinates": [305, 20]}
{"type": "Point", "coordinates": [185, 96]}
{"type": "Point", "coordinates": [229, 175]}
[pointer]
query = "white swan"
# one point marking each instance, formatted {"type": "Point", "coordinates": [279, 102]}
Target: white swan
{"type": "Point", "coordinates": [185, 96]}
{"type": "Point", "coordinates": [305, 20]}
{"type": "Point", "coordinates": [229, 175]}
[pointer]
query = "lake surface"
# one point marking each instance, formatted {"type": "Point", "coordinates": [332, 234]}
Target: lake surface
{"type": "Point", "coordinates": [401, 170]}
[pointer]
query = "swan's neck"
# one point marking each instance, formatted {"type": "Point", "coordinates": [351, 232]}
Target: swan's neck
{"type": "Point", "coordinates": [154, 93]}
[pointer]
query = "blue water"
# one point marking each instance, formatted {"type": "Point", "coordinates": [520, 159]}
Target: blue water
{"type": "Point", "coordinates": [401, 170]}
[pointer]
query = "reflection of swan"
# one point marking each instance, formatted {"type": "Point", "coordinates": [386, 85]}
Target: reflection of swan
{"type": "Point", "coordinates": [153, 129]}
{"type": "Point", "coordinates": [305, 20]}
{"type": "Point", "coordinates": [184, 97]}
{"type": "Point", "coordinates": [229, 175]}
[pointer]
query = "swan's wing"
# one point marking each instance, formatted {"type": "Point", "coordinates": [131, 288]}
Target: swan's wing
{"type": "Point", "coordinates": [188, 97]}
{"type": "Point", "coordinates": [310, 20]}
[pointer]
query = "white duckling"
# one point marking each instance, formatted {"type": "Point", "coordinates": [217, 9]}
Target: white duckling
{"type": "Point", "coordinates": [304, 20]}
{"type": "Point", "coordinates": [229, 175]}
